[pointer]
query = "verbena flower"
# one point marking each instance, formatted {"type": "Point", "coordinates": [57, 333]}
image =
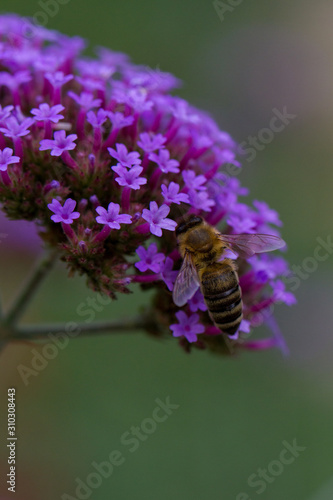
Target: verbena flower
{"type": "Point", "coordinates": [13, 128]}
{"type": "Point", "coordinates": [151, 142]}
{"type": "Point", "coordinates": [168, 274]}
{"type": "Point", "coordinates": [197, 302]}
{"type": "Point", "coordinates": [157, 218]}
{"type": "Point", "coordinates": [125, 158]}
{"type": "Point", "coordinates": [130, 178]}
{"type": "Point", "coordinates": [150, 258]}
{"type": "Point", "coordinates": [111, 216]}
{"type": "Point", "coordinates": [57, 78]}
{"type": "Point", "coordinates": [107, 138]}
{"type": "Point", "coordinates": [64, 213]}
{"type": "Point", "coordinates": [164, 162]}
{"type": "Point", "coordinates": [47, 113]}
{"type": "Point", "coordinates": [187, 326]}
{"type": "Point", "coordinates": [7, 158]}
{"type": "Point", "coordinates": [171, 194]}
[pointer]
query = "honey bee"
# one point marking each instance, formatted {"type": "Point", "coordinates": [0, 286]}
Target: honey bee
{"type": "Point", "coordinates": [202, 246]}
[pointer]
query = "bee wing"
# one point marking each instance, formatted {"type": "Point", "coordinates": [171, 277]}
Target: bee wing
{"type": "Point", "coordinates": [247, 245]}
{"type": "Point", "coordinates": [187, 282]}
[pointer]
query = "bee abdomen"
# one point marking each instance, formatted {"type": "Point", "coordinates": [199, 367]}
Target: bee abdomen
{"type": "Point", "coordinates": [223, 298]}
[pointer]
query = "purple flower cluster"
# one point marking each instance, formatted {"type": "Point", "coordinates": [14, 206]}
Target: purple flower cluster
{"type": "Point", "coordinates": [104, 158]}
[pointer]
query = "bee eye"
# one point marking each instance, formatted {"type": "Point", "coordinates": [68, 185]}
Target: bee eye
{"type": "Point", "coordinates": [181, 228]}
{"type": "Point", "coordinates": [195, 220]}
{"type": "Point", "coordinates": [187, 224]}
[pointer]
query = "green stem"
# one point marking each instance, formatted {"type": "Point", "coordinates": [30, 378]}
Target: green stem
{"type": "Point", "coordinates": [73, 329]}
{"type": "Point", "coordinates": [29, 288]}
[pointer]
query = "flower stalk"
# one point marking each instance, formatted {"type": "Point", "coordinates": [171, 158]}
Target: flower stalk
{"type": "Point", "coordinates": [28, 290]}
{"type": "Point", "coordinates": [9, 331]}
{"type": "Point", "coordinates": [41, 331]}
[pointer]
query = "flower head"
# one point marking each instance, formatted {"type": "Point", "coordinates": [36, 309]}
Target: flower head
{"type": "Point", "coordinates": [132, 157]}
{"type": "Point", "coordinates": [197, 302]}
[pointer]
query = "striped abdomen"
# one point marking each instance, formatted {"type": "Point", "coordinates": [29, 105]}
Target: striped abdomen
{"type": "Point", "coordinates": [222, 293]}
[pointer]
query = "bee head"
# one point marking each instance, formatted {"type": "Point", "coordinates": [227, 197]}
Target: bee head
{"type": "Point", "coordinates": [187, 223]}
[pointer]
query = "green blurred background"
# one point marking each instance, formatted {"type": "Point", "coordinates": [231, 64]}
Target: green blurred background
{"type": "Point", "coordinates": [235, 413]}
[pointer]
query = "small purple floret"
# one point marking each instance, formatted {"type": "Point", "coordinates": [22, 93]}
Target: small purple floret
{"type": "Point", "coordinates": [117, 138]}
{"type": "Point", "coordinates": [149, 259]}
{"type": "Point", "coordinates": [58, 79]}
{"type": "Point", "coordinates": [59, 144]}
{"type": "Point", "coordinates": [63, 213]}
{"type": "Point", "coordinates": [129, 178]}
{"type": "Point", "coordinates": [187, 326]}
{"type": "Point", "coordinates": [163, 161]}
{"type": "Point", "coordinates": [197, 302]}
{"type": "Point", "coordinates": [150, 142]}
{"type": "Point", "coordinates": [7, 158]}
{"type": "Point", "coordinates": [47, 113]}
{"type": "Point", "coordinates": [156, 217]}
{"type": "Point", "coordinates": [194, 181]}
{"type": "Point", "coordinates": [97, 119]}
{"type": "Point", "coordinates": [168, 274]}
{"type": "Point", "coordinates": [5, 112]}
{"type": "Point", "coordinates": [171, 194]}
{"type": "Point", "coordinates": [111, 216]}
{"type": "Point", "coordinates": [125, 158]}
{"type": "Point", "coordinates": [15, 129]}
{"type": "Point", "coordinates": [86, 100]}
{"type": "Point", "coordinates": [119, 121]}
